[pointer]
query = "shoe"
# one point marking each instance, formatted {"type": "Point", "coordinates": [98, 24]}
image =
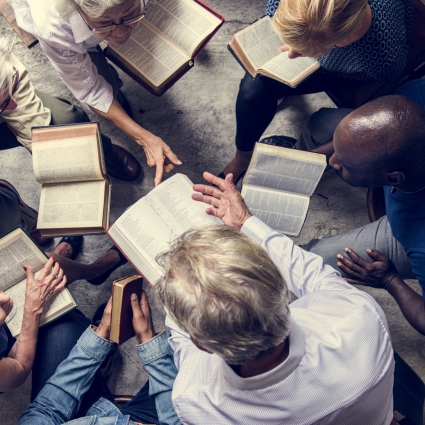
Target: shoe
{"type": "Point", "coordinates": [126, 106]}
{"type": "Point", "coordinates": [121, 164]}
{"type": "Point", "coordinates": [76, 242]}
{"type": "Point", "coordinates": [275, 140]}
{"type": "Point", "coordinates": [99, 280]}
{"type": "Point", "coordinates": [35, 234]}
{"type": "Point", "coordinates": [222, 176]}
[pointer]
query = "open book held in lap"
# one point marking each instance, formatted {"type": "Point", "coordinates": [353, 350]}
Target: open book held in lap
{"type": "Point", "coordinates": [148, 227]}
{"type": "Point", "coordinates": [257, 49]}
{"type": "Point", "coordinates": [16, 250]}
{"type": "Point", "coordinates": [278, 185]}
{"type": "Point", "coordinates": [76, 191]}
{"type": "Point", "coordinates": [164, 45]}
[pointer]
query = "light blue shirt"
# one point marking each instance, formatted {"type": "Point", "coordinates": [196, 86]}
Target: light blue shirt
{"type": "Point", "coordinates": [60, 399]}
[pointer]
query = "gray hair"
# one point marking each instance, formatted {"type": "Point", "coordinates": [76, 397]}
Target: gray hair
{"type": "Point", "coordinates": [93, 8]}
{"type": "Point", "coordinates": [224, 290]}
{"type": "Point", "coordinates": [6, 67]}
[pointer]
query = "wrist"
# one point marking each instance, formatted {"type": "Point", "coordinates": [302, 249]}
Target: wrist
{"type": "Point", "coordinates": [390, 281]}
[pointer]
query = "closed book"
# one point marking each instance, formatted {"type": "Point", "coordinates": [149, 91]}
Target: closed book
{"type": "Point", "coordinates": [122, 313]}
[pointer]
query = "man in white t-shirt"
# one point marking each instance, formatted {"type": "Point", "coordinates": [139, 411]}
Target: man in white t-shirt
{"type": "Point", "coordinates": [244, 353]}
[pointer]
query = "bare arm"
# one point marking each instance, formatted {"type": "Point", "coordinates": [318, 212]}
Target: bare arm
{"type": "Point", "coordinates": [381, 273]}
{"type": "Point", "coordinates": [158, 153]}
{"type": "Point", "coordinates": [326, 149]}
{"type": "Point", "coordinates": [15, 368]}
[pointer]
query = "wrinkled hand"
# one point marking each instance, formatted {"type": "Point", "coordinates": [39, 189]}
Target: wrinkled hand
{"type": "Point", "coordinates": [39, 291]}
{"type": "Point", "coordinates": [142, 318]}
{"type": "Point", "coordinates": [228, 203]}
{"type": "Point", "coordinates": [104, 328]}
{"type": "Point", "coordinates": [377, 274]}
{"type": "Point", "coordinates": [159, 155]}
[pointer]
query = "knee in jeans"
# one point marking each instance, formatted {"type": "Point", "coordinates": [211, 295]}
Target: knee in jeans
{"type": "Point", "coordinates": [252, 90]}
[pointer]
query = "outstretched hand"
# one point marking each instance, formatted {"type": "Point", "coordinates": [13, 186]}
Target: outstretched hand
{"type": "Point", "coordinates": [378, 274]}
{"type": "Point", "coordinates": [227, 203]}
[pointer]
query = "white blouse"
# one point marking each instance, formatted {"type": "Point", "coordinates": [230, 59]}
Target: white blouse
{"type": "Point", "coordinates": [66, 43]}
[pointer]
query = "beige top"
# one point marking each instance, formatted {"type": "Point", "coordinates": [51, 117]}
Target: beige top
{"type": "Point", "coordinates": [30, 111]}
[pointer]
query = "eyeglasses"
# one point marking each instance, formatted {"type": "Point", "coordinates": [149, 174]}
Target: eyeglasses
{"type": "Point", "coordinates": [109, 28]}
{"type": "Point", "coordinates": [6, 102]}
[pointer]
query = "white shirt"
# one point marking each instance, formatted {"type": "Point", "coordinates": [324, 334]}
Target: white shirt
{"type": "Point", "coordinates": [340, 364]}
{"type": "Point", "coordinates": [65, 43]}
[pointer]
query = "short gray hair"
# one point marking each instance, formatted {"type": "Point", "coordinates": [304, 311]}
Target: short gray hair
{"type": "Point", "coordinates": [93, 8]}
{"type": "Point", "coordinates": [224, 290]}
{"type": "Point", "coordinates": [6, 67]}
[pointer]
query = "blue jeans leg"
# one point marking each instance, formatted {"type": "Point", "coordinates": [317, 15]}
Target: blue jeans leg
{"type": "Point", "coordinates": [142, 408]}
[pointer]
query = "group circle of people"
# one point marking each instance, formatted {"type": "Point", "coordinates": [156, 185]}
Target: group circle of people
{"type": "Point", "coordinates": [237, 350]}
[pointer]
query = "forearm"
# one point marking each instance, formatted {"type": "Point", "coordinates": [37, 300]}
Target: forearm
{"type": "Point", "coordinates": [120, 119]}
{"type": "Point", "coordinates": [21, 356]}
{"type": "Point", "coordinates": [326, 149]}
{"type": "Point", "coordinates": [60, 398]}
{"type": "Point", "coordinates": [157, 358]}
{"type": "Point", "coordinates": [411, 303]}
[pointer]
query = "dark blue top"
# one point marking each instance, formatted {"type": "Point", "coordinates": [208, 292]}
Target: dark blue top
{"type": "Point", "coordinates": [381, 54]}
{"type": "Point", "coordinates": [4, 343]}
{"type": "Point", "coordinates": [406, 212]}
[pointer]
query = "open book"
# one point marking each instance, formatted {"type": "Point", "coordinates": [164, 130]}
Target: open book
{"type": "Point", "coordinates": [76, 191]}
{"type": "Point", "coordinates": [257, 49]}
{"type": "Point", "coordinates": [162, 48]}
{"type": "Point", "coordinates": [16, 250]}
{"type": "Point", "coordinates": [278, 184]}
{"type": "Point", "coordinates": [148, 227]}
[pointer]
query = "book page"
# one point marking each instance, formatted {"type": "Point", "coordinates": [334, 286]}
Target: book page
{"type": "Point", "coordinates": [58, 305]}
{"type": "Point", "coordinates": [72, 205]}
{"type": "Point", "coordinates": [289, 69]}
{"type": "Point", "coordinates": [283, 173]}
{"type": "Point", "coordinates": [283, 212]}
{"type": "Point", "coordinates": [184, 22]}
{"type": "Point", "coordinates": [172, 200]}
{"type": "Point", "coordinates": [67, 160]}
{"type": "Point", "coordinates": [259, 42]}
{"type": "Point", "coordinates": [153, 56]}
{"type": "Point", "coordinates": [17, 250]}
{"type": "Point", "coordinates": [141, 234]}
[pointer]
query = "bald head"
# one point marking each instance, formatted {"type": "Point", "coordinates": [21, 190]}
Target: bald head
{"type": "Point", "coordinates": [390, 131]}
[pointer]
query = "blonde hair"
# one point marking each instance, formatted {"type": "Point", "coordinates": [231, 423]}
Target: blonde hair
{"type": "Point", "coordinates": [93, 8]}
{"type": "Point", "coordinates": [313, 27]}
{"type": "Point", "coordinates": [224, 290]}
{"type": "Point", "coordinates": [6, 68]}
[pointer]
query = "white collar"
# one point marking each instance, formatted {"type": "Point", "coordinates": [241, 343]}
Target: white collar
{"type": "Point", "coordinates": [277, 374]}
{"type": "Point", "coordinates": [79, 28]}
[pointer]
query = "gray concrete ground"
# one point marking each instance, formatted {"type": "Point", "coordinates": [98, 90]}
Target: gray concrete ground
{"type": "Point", "coordinates": [196, 118]}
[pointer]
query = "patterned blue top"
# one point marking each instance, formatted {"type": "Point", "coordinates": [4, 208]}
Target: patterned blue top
{"type": "Point", "coordinates": [381, 54]}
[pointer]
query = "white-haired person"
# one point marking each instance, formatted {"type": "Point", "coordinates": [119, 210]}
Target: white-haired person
{"type": "Point", "coordinates": [69, 32]}
{"type": "Point", "coordinates": [355, 41]}
{"type": "Point", "coordinates": [22, 108]}
{"type": "Point", "coordinates": [247, 355]}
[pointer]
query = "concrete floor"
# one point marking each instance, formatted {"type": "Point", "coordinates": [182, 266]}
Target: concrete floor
{"type": "Point", "coordinates": [196, 118]}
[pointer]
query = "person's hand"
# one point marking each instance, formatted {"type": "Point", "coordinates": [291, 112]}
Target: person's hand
{"type": "Point", "coordinates": [142, 318]}
{"type": "Point", "coordinates": [159, 155]}
{"type": "Point", "coordinates": [104, 328]}
{"type": "Point", "coordinates": [39, 291]}
{"type": "Point", "coordinates": [292, 54]}
{"type": "Point", "coordinates": [378, 274]}
{"type": "Point", "coordinates": [6, 305]}
{"type": "Point", "coordinates": [228, 203]}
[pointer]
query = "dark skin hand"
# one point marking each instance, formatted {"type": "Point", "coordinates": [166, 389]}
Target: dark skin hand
{"type": "Point", "coordinates": [381, 273]}
{"type": "Point", "coordinates": [142, 318]}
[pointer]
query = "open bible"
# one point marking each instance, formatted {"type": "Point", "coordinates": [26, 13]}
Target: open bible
{"type": "Point", "coordinates": [278, 184]}
{"type": "Point", "coordinates": [257, 49]}
{"type": "Point", "coordinates": [163, 47]}
{"type": "Point", "coordinates": [148, 227]}
{"type": "Point", "coordinates": [16, 250]}
{"type": "Point", "coordinates": [76, 191]}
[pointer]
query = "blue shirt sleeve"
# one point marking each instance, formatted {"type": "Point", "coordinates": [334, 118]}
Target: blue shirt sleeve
{"type": "Point", "coordinates": [157, 357]}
